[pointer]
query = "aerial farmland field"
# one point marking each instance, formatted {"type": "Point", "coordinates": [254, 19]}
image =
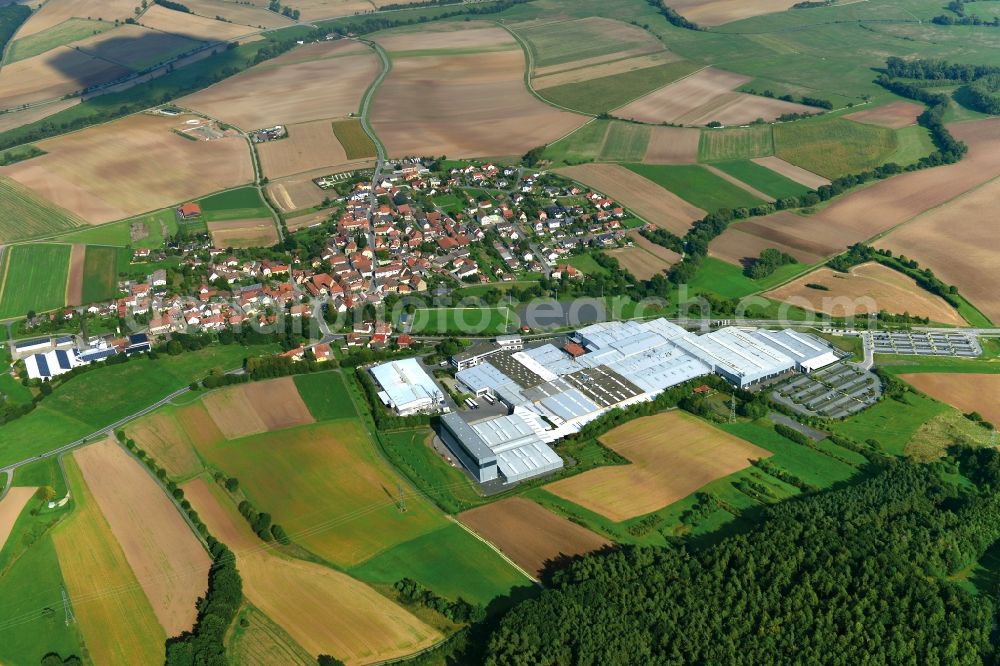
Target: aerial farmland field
{"type": "Point", "coordinates": [26, 215]}
{"type": "Point", "coordinates": [834, 147]}
{"type": "Point", "coordinates": [308, 146]}
{"type": "Point", "coordinates": [477, 106]}
{"type": "Point", "coordinates": [45, 267]}
{"type": "Point", "coordinates": [735, 143]}
{"type": "Point", "coordinates": [100, 273]}
{"type": "Point", "coordinates": [250, 409]}
{"type": "Point", "coordinates": [967, 392]}
{"type": "Point", "coordinates": [67, 32]}
{"type": "Point", "coordinates": [697, 185]}
{"type": "Point", "coordinates": [659, 474]}
{"type": "Point", "coordinates": [308, 600]}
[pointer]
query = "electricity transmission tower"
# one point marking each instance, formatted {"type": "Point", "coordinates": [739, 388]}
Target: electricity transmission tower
{"type": "Point", "coordinates": [402, 498]}
{"type": "Point", "coordinates": [67, 608]}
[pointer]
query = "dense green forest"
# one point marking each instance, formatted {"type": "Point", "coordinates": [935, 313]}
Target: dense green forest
{"type": "Point", "coordinates": [856, 575]}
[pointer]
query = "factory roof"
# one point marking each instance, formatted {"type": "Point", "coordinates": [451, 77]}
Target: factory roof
{"type": "Point", "coordinates": [470, 440]}
{"type": "Point", "coordinates": [482, 376]}
{"type": "Point", "coordinates": [405, 382]}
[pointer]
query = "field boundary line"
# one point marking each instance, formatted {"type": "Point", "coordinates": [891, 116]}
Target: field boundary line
{"type": "Point", "coordinates": [529, 67]}
{"type": "Point", "coordinates": [495, 549]}
{"type": "Point", "coordinates": [656, 90]}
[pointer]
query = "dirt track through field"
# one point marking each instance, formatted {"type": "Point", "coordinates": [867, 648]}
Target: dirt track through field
{"type": "Point", "coordinates": [939, 236]}
{"type": "Point", "coordinates": [170, 563]}
{"type": "Point", "coordinates": [74, 281]}
{"type": "Point", "coordinates": [10, 508]}
{"type": "Point", "coordinates": [673, 454]}
{"type": "Point", "coordinates": [613, 68]}
{"type": "Point", "coordinates": [739, 183]}
{"type": "Point", "coordinates": [325, 611]}
{"type": "Point", "coordinates": [529, 534]}
{"type": "Point", "coordinates": [644, 197]}
{"type": "Point", "coordinates": [869, 287]}
{"type": "Point", "coordinates": [464, 105]}
{"type": "Point", "coordinates": [672, 145]}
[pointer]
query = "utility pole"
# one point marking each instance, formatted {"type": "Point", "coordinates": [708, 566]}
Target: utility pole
{"type": "Point", "coordinates": [402, 498]}
{"type": "Point", "coordinates": [732, 411]}
{"type": "Point", "coordinates": [67, 608]}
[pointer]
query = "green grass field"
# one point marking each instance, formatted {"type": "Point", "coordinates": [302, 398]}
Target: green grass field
{"type": "Point", "coordinates": [833, 147]}
{"type": "Point", "coordinates": [31, 603]}
{"type": "Point", "coordinates": [100, 273]}
{"type": "Point", "coordinates": [583, 145]}
{"type": "Point", "coordinates": [449, 487]}
{"type": "Point", "coordinates": [352, 136]}
{"type": "Point", "coordinates": [587, 264]}
{"type": "Point", "coordinates": [914, 142]}
{"type": "Point", "coordinates": [25, 215]}
{"type": "Point", "coordinates": [890, 422]}
{"type": "Point", "coordinates": [237, 204]}
{"type": "Point", "coordinates": [19, 154]}
{"type": "Point", "coordinates": [486, 321]}
{"type": "Point", "coordinates": [569, 41]}
{"type": "Point", "coordinates": [67, 32]}
{"type": "Point", "coordinates": [696, 185]}
{"type": "Point", "coordinates": [328, 487]}
{"type": "Point", "coordinates": [763, 179]}
{"type": "Point", "coordinates": [33, 278]}
{"type": "Point", "coordinates": [606, 93]}
{"type": "Point", "coordinates": [118, 233]}
{"type": "Point", "coordinates": [727, 280]}
{"type": "Point", "coordinates": [626, 142]}
{"type": "Point", "coordinates": [735, 143]}
{"type": "Point", "coordinates": [104, 395]}
{"type": "Point", "coordinates": [449, 561]}
{"type": "Point", "coordinates": [325, 395]}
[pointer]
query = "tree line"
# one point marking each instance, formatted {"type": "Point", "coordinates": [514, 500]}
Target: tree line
{"type": "Point", "coordinates": [852, 575]}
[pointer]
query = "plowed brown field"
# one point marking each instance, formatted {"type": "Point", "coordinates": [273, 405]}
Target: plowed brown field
{"type": "Point", "coordinates": [54, 12]}
{"type": "Point", "coordinates": [10, 508]}
{"type": "Point", "coordinates": [792, 172]}
{"type": "Point", "coordinates": [463, 105]}
{"type": "Point", "coordinates": [116, 170]}
{"type": "Point", "coordinates": [869, 287]}
{"type": "Point", "coordinates": [529, 534]}
{"type": "Point", "coordinates": [894, 116]}
{"type": "Point", "coordinates": [673, 454]}
{"type": "Point", "coordinates": [254, 232]}
{"type": "Point", "coordinates": [644, 197]}
{"type": "Point", "coordinates": [672, 145]}
{"type": "Point", "coordinates": [323, 80]}
{"type": "Point", "coordinates": [248, 409]}
{"type": "Point", "coordinates": [53, 74]}
{"type": "Point", "coordinates": [966, 392]}
{"type": "Point", "coordinates": [718, 12]}
{"type": "Point", "coordinates": [192, 25]}
{"type": "Point", "coordinates": [74, 281]}
{"type": "Point", "coordinates": [308, 146]}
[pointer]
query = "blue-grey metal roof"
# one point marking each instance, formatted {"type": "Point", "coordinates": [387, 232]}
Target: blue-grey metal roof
{"type": "Point", "coordinates": [27, 344]}
{"type": "Point", "coordinates": [43, 365]}
{"type": "Point", "coordinates": [470, 440]}
{"type": "Point", "coordinates": [63, 358]}
{"type": "Point", "coordinates": [64, 340]}
{"type": "Point", "coordinates": [96, 355]}
{"type": "Point", "coordinates": [482, 376]}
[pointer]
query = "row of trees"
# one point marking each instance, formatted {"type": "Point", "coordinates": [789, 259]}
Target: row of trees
{"type": "Point", "coordinates": [853, 575]}
{"type": "Point", "coordinates": [460, 611]}
{"type": "Point", "coordinates": [770, 260]}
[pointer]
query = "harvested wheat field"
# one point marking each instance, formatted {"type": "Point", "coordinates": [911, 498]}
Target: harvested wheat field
{"type": "Point", "coordinates": [309, 147]}
{"type": "Point", "coordinates": [255, 17]}
{"type": "Point", "coordinates": [74, 281]}
{"type": "Point", "coordinates": [672, 145]}
{"type": "Point", "coordinates": [192, 25]}
{"type": "Point", "coordinates": [539, 73]}
{"type": "Point", "coordinates": [873, 210]}
{"type": "Point", "coordinates": [954, 242]}
{"type": "Point", "coordinates": [581, 74]}
{"type": "Point", "coordinates": [307, 220]}
{"type": "Point", "coordinates": [870, 287]}
{"type": "Point", "coordinates": [673, 454]}
{"type": "Point", "coordinates": [163, 435]}
{"type": "Point", "coordinates": [114, 615]}
{"type": "Point", "coordinates": [54, 12]}
{"type": "Point", "coordinates": [792, 172]}
{"type": "Point", "coordinates": [52, 75]}
{"type": "Point", "coordinates": [116, 170]}
{"type": "Point", "coordinates": [464, 105]}
{"type": "Point", "coordinates": [299, 191]}
{"type": "Point", "coordinates": [254, 232]}
{"type": "Point", "coordinates": [529, 534]}
{"type": "Point", "coordinates": [248, 409]}
{"type": "Point", "coordinates": [894, 116]}
{"type": "Point", "coordinates": [705, 96]}
{"type": "Point", "coordinates": [308, 600]}
{"type": "Point", "coordinates": [718, 12]}
{"type": "Point", "coordinates": [288, 90]}
{"type": "Point", "coordinates": [645, 258]}
{"type": "Point", "coordinates": [643, 197]}
{"type": "Point", "coordinates": [456, 35]}
{"type": "Point", "coordinates": [321, 9]}
{"type": "Point", "coordinates": [10, 508]}
{"type": "Point", "coordinates": [966, 392]}
{"type": "Point", "coordinates": [167, 558]}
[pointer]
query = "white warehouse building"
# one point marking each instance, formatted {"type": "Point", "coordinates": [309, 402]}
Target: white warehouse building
{"type": "Point", "coordinates": [407, 388]}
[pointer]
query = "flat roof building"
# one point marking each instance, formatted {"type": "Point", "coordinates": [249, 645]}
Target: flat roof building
{"type": "Point", "coordinates": [406, 387]}
{"type": "Point", "coordinates": [506, 448]}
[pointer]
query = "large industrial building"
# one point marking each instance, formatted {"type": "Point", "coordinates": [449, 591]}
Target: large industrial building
{"type": "Point", "coordinates": [407, 388]}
